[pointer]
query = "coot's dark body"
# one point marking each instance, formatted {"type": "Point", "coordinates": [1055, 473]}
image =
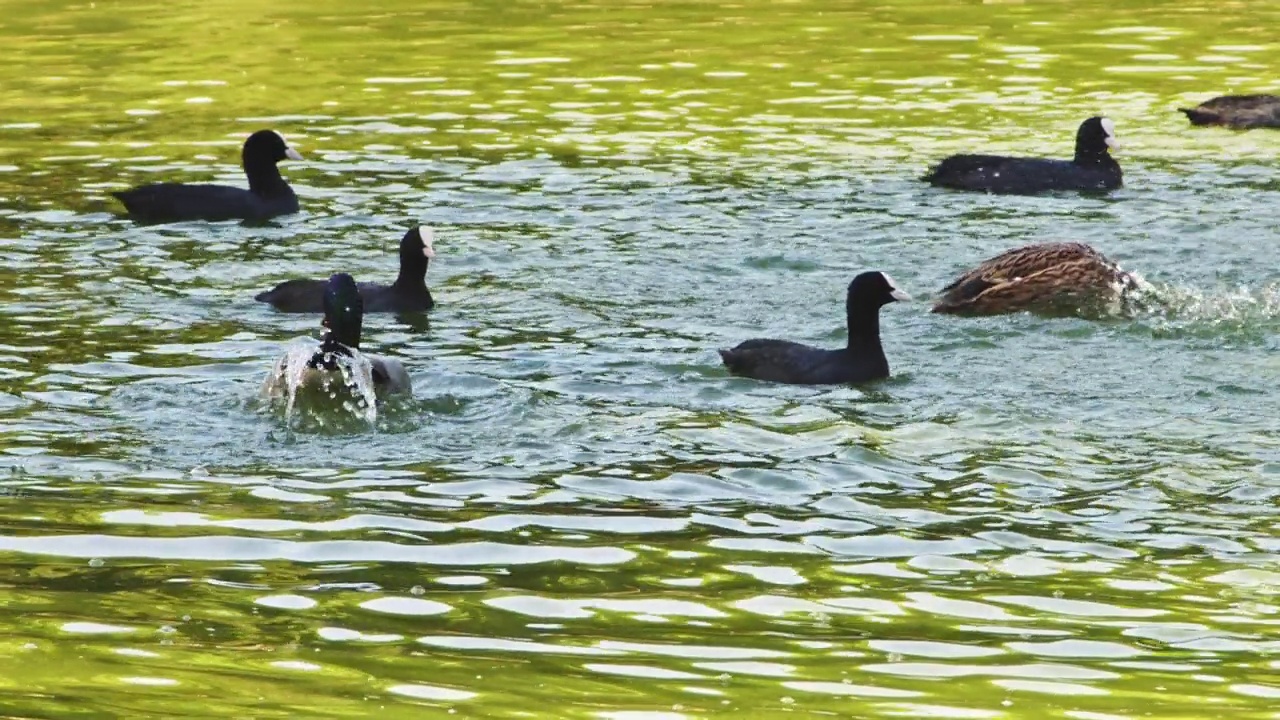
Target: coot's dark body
{"type": "Point", "coordinates": [1092, 168]}
{"type": "Point", "coordinates": [268, 195]}
{"type": "Point", "coordinates": [307, 296]}
{"type": "Point", "coordinates": [861, 360]}
{"type": "Point", "coordinates": [790, 362]}
{"type": "Point", "coordinates": [409, 293]}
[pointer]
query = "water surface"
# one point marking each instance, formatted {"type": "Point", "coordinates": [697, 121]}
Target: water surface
{"type": "Point", "coordinates": [579, 514]}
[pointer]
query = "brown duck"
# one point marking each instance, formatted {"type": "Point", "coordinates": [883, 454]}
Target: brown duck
{"type": "Point", "coordinates": [1054, 278]}
{"type": "Point", "coordinates": [1241, 112]}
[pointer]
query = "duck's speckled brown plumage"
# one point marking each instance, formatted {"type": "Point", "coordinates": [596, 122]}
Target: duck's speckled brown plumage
{"type": "Point", "coordinates": [1046, 277]}
{"type": "Point", "coordinates": [1242, 112]}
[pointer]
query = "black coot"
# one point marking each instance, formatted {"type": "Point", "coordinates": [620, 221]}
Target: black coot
{"type": "Point", "coordinates": [268, 194]}
{"type": "Point", "coordinates": [861, 360]}
{"type": "Point", "coordinates": [409, 293]}
{"type": "Point", "coordinates": [1093, 168]}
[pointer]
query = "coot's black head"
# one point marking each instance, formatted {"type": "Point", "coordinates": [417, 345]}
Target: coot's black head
{"type": "Point", "coordinates": [872, 290]}
{"type": "Point", "coordinates": [416, 251]}
{"type": "Point", "coordinates": [1095, 137]}
{"type": "Point", "coordinates": [343, 311]}
{"type": "Point", "coordinates": [266, 147]}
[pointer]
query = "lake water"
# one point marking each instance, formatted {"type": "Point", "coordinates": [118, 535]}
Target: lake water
{"type": "Point", "coordinates": [579, 514]}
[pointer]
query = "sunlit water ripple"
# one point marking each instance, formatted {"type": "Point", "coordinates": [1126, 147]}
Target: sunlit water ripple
{"type": "Point", "coordinates": [579, 513]}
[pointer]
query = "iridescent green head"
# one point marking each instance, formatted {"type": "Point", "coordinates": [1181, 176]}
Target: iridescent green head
{"type": "Point", "coordinates": [343, 310]}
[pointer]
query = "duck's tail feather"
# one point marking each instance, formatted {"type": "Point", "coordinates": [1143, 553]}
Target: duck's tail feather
{"type": "Point", "coordinates": [731, 359]}
{"type": "Point", "coordinates": [1200, 117]}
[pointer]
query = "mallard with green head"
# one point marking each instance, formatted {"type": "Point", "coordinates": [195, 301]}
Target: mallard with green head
{"type": "Point", "coordinates": [1050, 278]}
{"type": "Point", "coordinates": [344, 319]}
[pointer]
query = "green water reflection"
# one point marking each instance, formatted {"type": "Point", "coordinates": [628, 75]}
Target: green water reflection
{"type": "Point", "coordinates": [579, 514]}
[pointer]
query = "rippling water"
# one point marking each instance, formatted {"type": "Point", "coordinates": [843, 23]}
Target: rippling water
{"type": "Point", "coordinates": [579, 514]}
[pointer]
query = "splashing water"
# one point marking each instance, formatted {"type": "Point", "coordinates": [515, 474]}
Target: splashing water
{"type": "Point", "coordinates": [307, 392]}
{"type": "Point", "coordinates": [1175, 310]}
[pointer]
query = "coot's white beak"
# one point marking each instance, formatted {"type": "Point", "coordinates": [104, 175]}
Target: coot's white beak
{"type": "Point", "coordinates": [894, 292]}
{"type": "Point", "coordinates": [292, 154]}
{"type": "Point", "coordinates": [428, 237]}
{"type": "Point", "coordinates": [1109, 128]}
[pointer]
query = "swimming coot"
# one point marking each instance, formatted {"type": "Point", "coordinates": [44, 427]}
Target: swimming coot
{"type": "Point", "coordinates": [409, 293]}
{"type": "Point", "coordinates": [344, 317]}
{"type": "Point", "coordinates": [861, 360]}
{"type": "Point", "coordinates": [1054, 278]}
{"type": "Point", "coordinates": [1242, 112]}
{"type": "Point", "coordinates": [268, 194]}
{"type": "Point", "coordinates": [1093, 168]}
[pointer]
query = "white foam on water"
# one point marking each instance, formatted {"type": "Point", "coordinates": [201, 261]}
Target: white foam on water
{"type": "Point", "coordinates": [1176, 309]}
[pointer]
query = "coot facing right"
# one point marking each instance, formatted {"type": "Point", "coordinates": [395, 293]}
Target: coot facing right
{"type": "Point", "coordinates": [409, 293]}
{"type": "Point", "coordinates": [1092, 168]}
{"type": "Point", "coordinates": [268, 195]}
{"type": "Point", "coordinates": [861, 360]}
